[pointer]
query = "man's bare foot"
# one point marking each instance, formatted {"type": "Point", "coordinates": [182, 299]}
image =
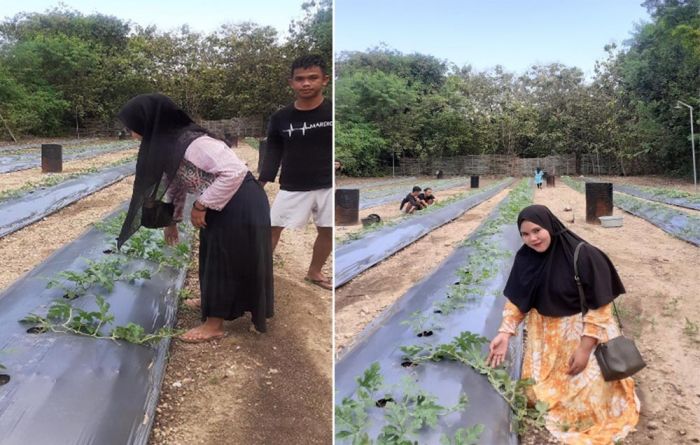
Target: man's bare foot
{"type": "Point", "coordinates": [320, 282]}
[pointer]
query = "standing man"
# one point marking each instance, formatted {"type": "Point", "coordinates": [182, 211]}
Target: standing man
{"type": "Point", "coordinates": [300, 139]}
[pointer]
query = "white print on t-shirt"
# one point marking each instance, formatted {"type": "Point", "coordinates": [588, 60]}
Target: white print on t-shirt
{"type": "Point", "coordinates": [307, 127]}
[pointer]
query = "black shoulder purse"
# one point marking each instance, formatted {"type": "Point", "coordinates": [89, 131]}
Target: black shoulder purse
{"type": "Point", "coordinates": [619, 357]}
{"type": "Point", "coordinates": [155, 213]}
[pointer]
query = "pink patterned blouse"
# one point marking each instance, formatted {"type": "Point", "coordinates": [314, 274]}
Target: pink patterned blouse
{"type": "Point", "coordinates": [210, 168]}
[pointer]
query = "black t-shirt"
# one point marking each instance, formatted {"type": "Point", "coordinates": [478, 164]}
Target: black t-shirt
{"type": "Point", "coordinates": [409, 198]}
{"type": "Point", "coordinates": [302, 142]}
{"type": "Point", "coordinates": [425, 198]}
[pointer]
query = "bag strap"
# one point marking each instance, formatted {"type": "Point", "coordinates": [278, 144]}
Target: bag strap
{"type": "Point", "coordinates": [581, 295]}
{"type": "Point", "coordinates": [154, 195]}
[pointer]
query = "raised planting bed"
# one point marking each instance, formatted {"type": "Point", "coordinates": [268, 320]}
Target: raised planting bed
{"type": "Point", "coordinates": [32, 206]}
{"type": "Point", "coordinates": [658, 194]}
{"type": "Point", "coordinates": [355, 257]}
{"type": "Point", "coordinates": [453, 311]}
{"type": "Point", "coordinates": [24, 161]}
{"type": "Point", "coordinates": [373, 198]}
{"type": "Point", "coordinates": [381, 183]}
{"type": "Point", "coordinates": [85, 337]}
{"type": "Point", "coordinates": [73, 142]}
{"type": "Point", "coordinates": [674, 222]}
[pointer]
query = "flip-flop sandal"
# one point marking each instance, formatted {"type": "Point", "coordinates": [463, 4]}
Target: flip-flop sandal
{"type": "Point", "coordinates": [202, 339]}
{"type": "Point", "coordinates": [325, 284]}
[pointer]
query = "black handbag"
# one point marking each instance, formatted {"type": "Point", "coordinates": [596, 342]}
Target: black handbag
{"type": "Point", "coordinates": [619, 357]}
{"type": "Point", "coordinates": [155, 213]}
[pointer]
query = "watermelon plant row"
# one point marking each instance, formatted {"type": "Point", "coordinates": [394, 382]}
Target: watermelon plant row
{"type": "Point", "coordinates": [435, 336]}
{"type": "Point", "coordinates": [85, 337]}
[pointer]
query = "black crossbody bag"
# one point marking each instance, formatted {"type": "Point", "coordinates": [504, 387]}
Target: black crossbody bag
{"type": "Point", "coordinates": [619, 357]}
{"type": "Point", "coordinates": [155, 213]}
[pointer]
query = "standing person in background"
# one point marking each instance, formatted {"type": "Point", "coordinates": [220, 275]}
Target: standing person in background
{"type": "Point", "coordinates": [538, 177]}
{"type": "Point", "coordinates": [300, 139]}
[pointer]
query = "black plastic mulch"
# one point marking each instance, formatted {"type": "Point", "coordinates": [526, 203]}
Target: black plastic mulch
{"type": "Point", "coordinates": [31, 207]}
{"type": "Point", "coordinates": [381, 341]}
{"type": "Point", "coordinates": [674, 222]}
{"type": "Point", "coordinates": [12, 163]}
{"type": "Point", "coordinates": [689, 203]}
{"type": "Point", "coordinates": [68, 389]}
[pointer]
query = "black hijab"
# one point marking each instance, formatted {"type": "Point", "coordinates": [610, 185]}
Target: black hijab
{"type": "Point", "coordinates": [545, 281]}
{"type": "Point", "coordinates": [166, 132]}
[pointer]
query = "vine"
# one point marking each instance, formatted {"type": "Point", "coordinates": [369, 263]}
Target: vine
{"type": "Point", "coordinates": [98, 273]}
{"type": "Point", "coordinates": [406, 411]}
{"type": "Point", "coordinates": [466, 348]}
{"type": "Point", "coordinates": [62, 317]}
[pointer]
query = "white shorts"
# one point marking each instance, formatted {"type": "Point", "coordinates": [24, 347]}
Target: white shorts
{"type": "Point", "coordinates": [292, 209]}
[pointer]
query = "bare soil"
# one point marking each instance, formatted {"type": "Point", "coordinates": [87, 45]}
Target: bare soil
{"type": "Point", "coordinates": [251, 388]}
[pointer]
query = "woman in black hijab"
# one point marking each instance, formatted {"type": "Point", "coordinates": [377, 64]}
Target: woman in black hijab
{"type": "Point", "coordinates": [583, 407]}
{"type": "Point", "coordinates": [231, 211]}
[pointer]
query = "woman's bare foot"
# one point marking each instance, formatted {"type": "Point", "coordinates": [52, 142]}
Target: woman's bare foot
{"type": "Point", "coordinates": [211, 329]}
{"type": "Point", "coordinates": [193, 303]}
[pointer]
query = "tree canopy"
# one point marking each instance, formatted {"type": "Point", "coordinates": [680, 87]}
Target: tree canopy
{"type": "Point", "coordinates": [60, 69]}
{"type": "Point", "coordinates": [415, 105]}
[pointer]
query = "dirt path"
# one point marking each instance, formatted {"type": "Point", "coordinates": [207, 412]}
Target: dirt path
{"type": "Point", "coordinates": [249, 388]}
{"type": "Point", "coordinates": [660, 310]}
{"type": "Point", "coordinates": [9, 181]}
{"type": "Point", "coordinates": [362, 299]}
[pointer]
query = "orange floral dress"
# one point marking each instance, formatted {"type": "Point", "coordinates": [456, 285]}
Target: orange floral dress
{"type": "Point", "coordinates": [583, 409]}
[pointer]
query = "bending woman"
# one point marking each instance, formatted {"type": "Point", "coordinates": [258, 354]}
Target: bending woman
{"type": "Point", "coordinates": [231, 211]}
{"type": "Point", "coordinates": [583, 408]}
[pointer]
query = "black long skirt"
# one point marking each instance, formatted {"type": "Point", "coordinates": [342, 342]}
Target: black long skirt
{"type": "Point", "coordinates": [235, 258]}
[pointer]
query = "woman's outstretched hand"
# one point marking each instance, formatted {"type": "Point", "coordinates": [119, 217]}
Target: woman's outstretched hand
{"type": "Point", "coordinates": [171, 235]}
{"type": "Point", "coordinates": [498, 349]}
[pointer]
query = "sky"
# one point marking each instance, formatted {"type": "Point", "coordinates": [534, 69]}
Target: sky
{"type": "Point", "coordinates": [483, 33]}
{"type": "Point", "coordinates": [201, 15]}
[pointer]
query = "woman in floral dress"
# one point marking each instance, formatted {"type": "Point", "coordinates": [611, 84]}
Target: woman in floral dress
{"type": "Point", "coordinates": [584, 409]}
